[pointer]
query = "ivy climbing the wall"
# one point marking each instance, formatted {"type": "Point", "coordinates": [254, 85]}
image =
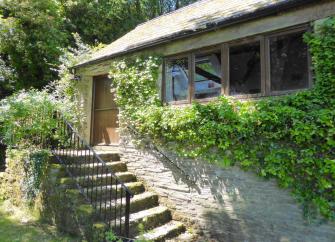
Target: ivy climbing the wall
{"type": "Point", "coordinates": [291, 138]}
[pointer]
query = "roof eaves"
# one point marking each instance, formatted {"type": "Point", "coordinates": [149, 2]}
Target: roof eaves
{"type": "Point", "coordinates": [261, 12]}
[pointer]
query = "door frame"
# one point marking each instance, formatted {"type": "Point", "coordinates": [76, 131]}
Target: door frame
{"type": "Point", "coordinates": [92, 109]}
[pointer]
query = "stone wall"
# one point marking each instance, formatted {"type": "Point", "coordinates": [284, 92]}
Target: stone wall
{"type": "Point", "coordinates": [85, 90]}
{"type": "Point", "coordinates": [226, 204]}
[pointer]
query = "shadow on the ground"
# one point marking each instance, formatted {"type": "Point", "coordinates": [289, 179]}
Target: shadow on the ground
{"type": "Point", "coordinates": [12, 230]}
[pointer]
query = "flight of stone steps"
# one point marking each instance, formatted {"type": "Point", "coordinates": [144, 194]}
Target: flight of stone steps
{"type": "Point", "coordinates": [155, 219]}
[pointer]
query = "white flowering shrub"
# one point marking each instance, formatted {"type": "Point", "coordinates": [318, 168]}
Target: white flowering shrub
{"type": "Point", "coordinates": [27, 116]}
{"type": "Point", "coordinates": [135, 86]}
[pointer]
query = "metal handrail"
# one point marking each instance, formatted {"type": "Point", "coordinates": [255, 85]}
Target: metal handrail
{"type": "Point", "coordinates": [110, 196]}
{"type": "Point", "coordinates": [93, 151]}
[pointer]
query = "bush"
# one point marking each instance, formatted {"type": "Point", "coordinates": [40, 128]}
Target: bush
{"type": "Point", "coordinates": [291, 138]}
{"type": "Point", "coordinates": [2, 156]}
{"type": "Point", "coordinates": [27, 118]}
{"type": "Point", "coordinates": [24, 175]}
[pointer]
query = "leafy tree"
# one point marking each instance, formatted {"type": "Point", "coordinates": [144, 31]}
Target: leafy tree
{"type": "Point", "coordinates": [31, 40]}
{"type": "Point", "coordinates": [106, 20]}
{"type": "Point", "coordinates": [7, 77]}
{"type": "Point", "coordinates": [34, 33]}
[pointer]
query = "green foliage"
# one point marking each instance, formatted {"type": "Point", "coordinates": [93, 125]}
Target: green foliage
{"type": "Point", "coordinates": [2, 156]}
{"type": "Point", "coordinates": [24, 174]}
{"type": "Point", "coordinates": [7, 78]}
{"type": "Point", "coordinates": [135, 84]}
{"type": "Point", "coordinates": [16, 224]}
{"type": "Point", "coordinates": [111, 237]}
{"type": "Point", "coordinates": [35, 34]}
{"type": "Point", "coordinates": [26, 117]}
{"type": "Point", "coordinates": [32, 37]}
{"type": "Point", "coordinates": [322, 45]}
{"type": "Point", "coordinates": [64, 89]}
{"type": "Point", "coordinates": [35, 167]}
{"type": "Point", "coordinates": [291, 138]}
{"type": "Point", "coordinates": [107, 20]}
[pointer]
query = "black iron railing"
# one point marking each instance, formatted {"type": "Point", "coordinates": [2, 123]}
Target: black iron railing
{"type": "Point", "coordinates": [93, 177]}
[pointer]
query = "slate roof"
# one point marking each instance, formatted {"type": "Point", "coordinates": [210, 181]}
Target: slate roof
{"type": "Point", "coordinates": [198, 17]}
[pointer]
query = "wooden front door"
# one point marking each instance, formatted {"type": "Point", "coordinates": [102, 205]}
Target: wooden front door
{"type": "Point", "coordinates": [105, 113]}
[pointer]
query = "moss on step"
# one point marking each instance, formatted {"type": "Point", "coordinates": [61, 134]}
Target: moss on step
{"type": "Point", "coordinates": [98, 232]}
{"type": "Point", "coordinates": [143, 202]}
{"type": "Point", "coordinates": [150, 219]}
{"type": "Point", "coordinates": [93, 169]}
{"type": "Point", "coordinates": [164, 232]}
{"type": "Point", "coordinates": [104, 179]}
{"type": "Point", "coordinates": [67, 182]}
{"type": "Point", "coordinates": [102, 192]}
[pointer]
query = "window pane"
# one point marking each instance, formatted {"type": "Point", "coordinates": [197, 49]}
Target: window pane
{"type": "Point", "coordinates": [289, 62]}
{"type": "Point", "coordinates": [176, 80]}
{"type": "Point", "coordinates": [245, 69]}
{"type": "Point", "coordinates": [207, 75]}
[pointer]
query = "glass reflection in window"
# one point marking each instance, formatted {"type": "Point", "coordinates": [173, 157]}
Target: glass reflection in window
{"type": "Point", "coordinates": [289, 62]}
{"type": "Point", "coordinates": [176, 80]}
{"type": "Point", "coordinates": [207, 81]}
{"type": "Point", "coordinates": [245, 69]}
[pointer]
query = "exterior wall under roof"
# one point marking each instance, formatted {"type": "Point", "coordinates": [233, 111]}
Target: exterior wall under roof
{"type": "Point", "coordinates": [301, 15]}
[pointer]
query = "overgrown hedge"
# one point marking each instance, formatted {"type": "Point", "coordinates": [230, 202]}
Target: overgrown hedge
{"type": "Point", "coordinates": [27, 124]}
{"type": "Point", "coordinates": [25, 171]}
{"type": "Point", "coordinates": [291, 138]}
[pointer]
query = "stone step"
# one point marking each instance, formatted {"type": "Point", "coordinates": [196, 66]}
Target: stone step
{"type": "Point", "coordinates": [85, 156]}
{"type": "Point", "coordinates": [101, 193]}
{"type": "Point", "coordinates": [111, 156]}
{"type": "Point", "coordinates": [97, 168]}
{"type": "Point", "coordinates": [184, 237]}
{"type": "Point", "coordinates": [164, 232]}
{"type": "Point", "coordinates": [139, 202]}
{"type": "Point", "coordinates": [149, 219]}
{"type": "Point", "coordinates": [105, 179]}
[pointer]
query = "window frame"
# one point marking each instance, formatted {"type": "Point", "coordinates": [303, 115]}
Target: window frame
{"type": "Point", "coordinates": [265, 59]}
{"type": "Point", "coordinates": [189, 65]}
{"type": "Point", "coordinates": [205, 51]}
{"type": "Point", "coordinates": [297, 29]}
{"type": "Point", "coordinates": [239, 42]}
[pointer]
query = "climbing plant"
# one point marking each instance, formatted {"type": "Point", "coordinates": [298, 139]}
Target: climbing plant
{"type": "Point", "coordinates": [291, 138]}
{"type": "Point", "coordinates": [25, 173]}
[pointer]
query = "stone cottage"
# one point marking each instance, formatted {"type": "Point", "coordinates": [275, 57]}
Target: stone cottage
{"type": "Point", "coordinates": [243, 49]}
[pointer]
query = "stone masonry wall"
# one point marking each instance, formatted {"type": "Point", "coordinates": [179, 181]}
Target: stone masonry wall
{"type": "Point", "coordinates": [226, 204]}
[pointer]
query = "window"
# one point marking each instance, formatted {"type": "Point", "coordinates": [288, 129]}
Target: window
{"type": "Point", "coordinates": [245, 69]}
{"type": "Point", "coordinates": [289, 62]}
{"type": "Point", "coordinates": [207, 79]}
{"type": "Point", "coordinates": [263, 65]}
{"type": "Point", "coordinates": [176, 80]}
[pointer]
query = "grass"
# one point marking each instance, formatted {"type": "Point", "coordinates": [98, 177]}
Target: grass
{"type": "Point", "coordinates": [18, 225]}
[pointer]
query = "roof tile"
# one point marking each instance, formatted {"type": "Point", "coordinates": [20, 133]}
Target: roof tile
{"type": "Point", "coordinates": [194, 17]}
